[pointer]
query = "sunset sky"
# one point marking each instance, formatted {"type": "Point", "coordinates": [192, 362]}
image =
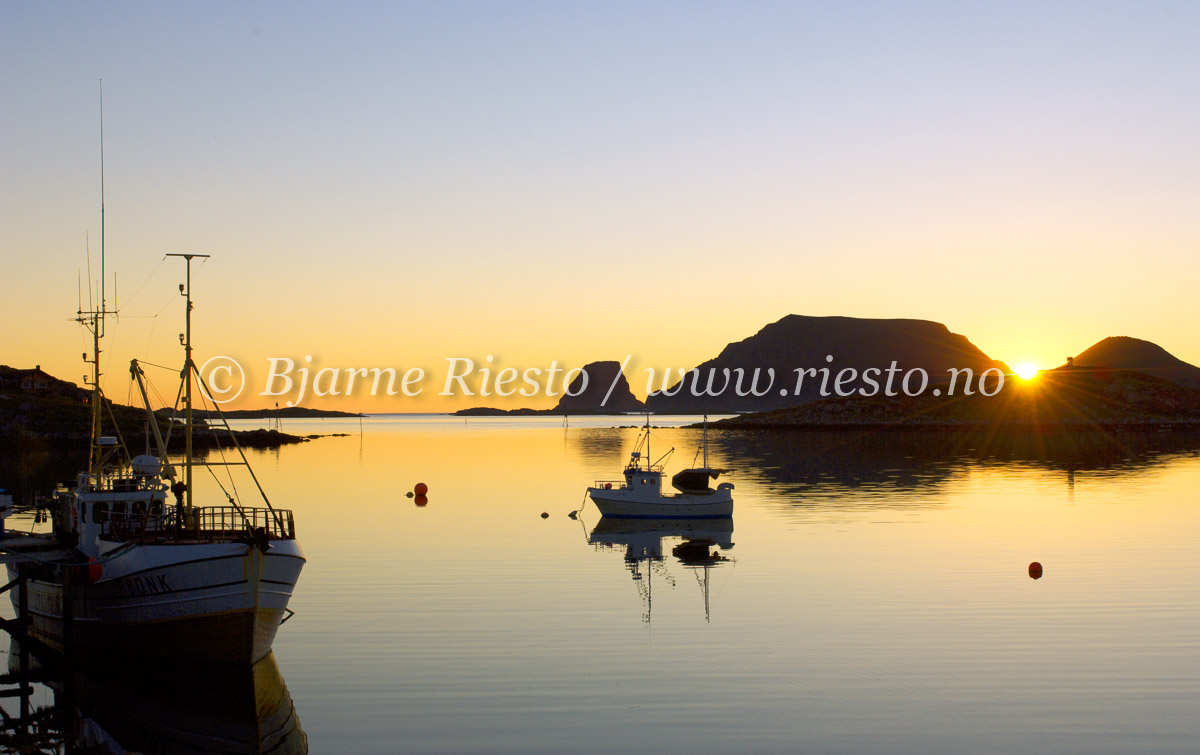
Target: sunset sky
{"type": "Point", "coordinates": [392, 184]}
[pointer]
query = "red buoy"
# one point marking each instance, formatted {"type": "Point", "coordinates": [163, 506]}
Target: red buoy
{"type": "Point", "coordinates": [1035, 570]}
{"type": "Point", "coordinates": [90, 573]}
{"type": "Point", "coordinates": [421, 488]}
{"type": "Point", "coordinates": [420, 500]}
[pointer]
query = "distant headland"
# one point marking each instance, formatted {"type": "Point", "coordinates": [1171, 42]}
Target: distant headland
{"type": "Point", "coordinates": [37, 405]}
{"type": "Point", "coordinates": [580, 397]}
{"type": "Point", "coordinates": [824, 347]}
{"type": "Point", "coordinates": [1069, 397]}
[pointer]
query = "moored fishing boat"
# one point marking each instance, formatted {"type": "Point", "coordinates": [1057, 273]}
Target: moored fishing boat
{"type": "Point", "coordinates": [127, 570]}
{"type": "Point", "coordinates": [639, 492]}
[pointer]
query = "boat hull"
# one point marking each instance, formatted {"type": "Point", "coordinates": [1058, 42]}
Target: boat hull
{"type": "Point", "coordinates": [622, 503]}
{"type": "Point", "coordinates": [215, 603]}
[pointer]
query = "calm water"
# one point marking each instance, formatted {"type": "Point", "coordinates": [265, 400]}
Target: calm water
{"type": "Point", "coordinates": [870, 594]}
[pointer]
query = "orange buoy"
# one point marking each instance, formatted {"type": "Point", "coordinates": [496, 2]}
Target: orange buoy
{"type": "Point", "coordinates": [608, 486]}
{"type": "Point", "coordinates": [90, 573]}
{"type": "Point", "coordinates": [421, 488]}
{"type": "Point", "coordinates": [545, 515]}
{"type": "Point", "coordinates": [420, 500]}
{"type": "Point", "coordinates": [1035, 570]}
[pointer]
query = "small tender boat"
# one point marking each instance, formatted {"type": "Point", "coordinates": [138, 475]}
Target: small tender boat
{"type": "Point", "coordinates": [640, 494]}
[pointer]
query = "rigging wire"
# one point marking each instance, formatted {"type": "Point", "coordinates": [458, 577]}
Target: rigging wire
{"type": "Point", "coordinates": [148, 277]}
{"type": "Point", "coordinates": [220, 450]}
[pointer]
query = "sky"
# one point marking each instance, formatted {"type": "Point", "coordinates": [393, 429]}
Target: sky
{"type": "Point", "coordinates": [399, 184]}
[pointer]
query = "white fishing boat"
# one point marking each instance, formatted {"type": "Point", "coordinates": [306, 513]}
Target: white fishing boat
{"type": "Point", "coordinates": [138, 573]}
{"type": "Point", "coordinates": [639, 493]}
{"type": "Point", "coordinates": [126, 570]}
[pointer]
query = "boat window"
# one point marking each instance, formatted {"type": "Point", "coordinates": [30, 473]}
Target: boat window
{"type": "Point", "coordinates": [99, 512]}
{"type": "Point", "coordinates": [139, 507]}
{"type": "Point", "coordinates": [118, 509]}
{"type": "Point", "coordinates": [156, 508]}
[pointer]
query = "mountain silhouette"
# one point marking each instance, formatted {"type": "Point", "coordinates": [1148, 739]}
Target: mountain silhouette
{"type": "Point", "coordinates": [826, 345]}
{"type": "Point", "coordinates": [1078, 398]}
{"type": "Point", "coordinates": [590, 398]}
{"type": "Point", "coordinates": [1125, 353]}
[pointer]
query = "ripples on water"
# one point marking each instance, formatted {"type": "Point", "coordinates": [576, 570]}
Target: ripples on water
{"type": "Point", "coordinates": [871, 593]}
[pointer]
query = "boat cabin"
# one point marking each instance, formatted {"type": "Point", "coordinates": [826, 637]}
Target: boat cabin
{"type": "Point", "coordinates": [642, 476]}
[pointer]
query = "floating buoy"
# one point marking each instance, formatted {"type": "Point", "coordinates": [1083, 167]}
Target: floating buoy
{"type": "Point", "coordinates": [608, 486]}
{"type": "Point", "coordinates": [409, 494]}
{"type": "Point", "coordinates": [421, 488]}
{"type": "Point", "coordinates": [545, 515]}
{"type": "Point", "coordinates": [1035, 570]}
{"type": "Point", "coordinates": [421, 500]}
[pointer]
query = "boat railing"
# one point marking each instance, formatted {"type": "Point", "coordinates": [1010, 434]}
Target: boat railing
{"type": "Point", "coordinates": [204, 524]}
{"type": "Point", "coordinates": [117, 482]}
{"type": "Point", "coordinates": [135, 524]}
{"type": "Point", "coordinates": [609, 484]}
{"type": "Point", "coordinates": [645, 467]}
{"type": "Point", "coordinates": [215, 521]}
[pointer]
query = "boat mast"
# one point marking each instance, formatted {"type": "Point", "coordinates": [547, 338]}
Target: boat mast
{"type": "Point", "coordinates": [93, 320]}
{"type": "Point", "coordinates": [704, 442]}
{"type": "Point", "coordinates": [185, 289]}
{"type": "Point", "coordinates": [648, 459]}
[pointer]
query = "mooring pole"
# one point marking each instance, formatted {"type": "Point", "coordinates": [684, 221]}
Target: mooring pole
{"type": "Point", "coordinates": [23, 616]}
{"type": "Point", "coordinates": [22, 595]}
{"type": "Point", "coordinates": [68, 613]}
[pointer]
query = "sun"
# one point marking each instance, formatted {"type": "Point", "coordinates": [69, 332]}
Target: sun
{"type": "Point", "coordinates": [1026, 371]}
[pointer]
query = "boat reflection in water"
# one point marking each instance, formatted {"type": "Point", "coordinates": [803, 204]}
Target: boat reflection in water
{"type": "Point", "coordinates": [702, 547]}
{"type": "Point", "coordinates": [165, 708]}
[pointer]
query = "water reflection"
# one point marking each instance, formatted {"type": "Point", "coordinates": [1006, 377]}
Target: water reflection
{"type": "Point", "coordinates": [601, 447]}
{"type": "Point", "coordinates": [116, 707]}
{"type": "Point", "coordinates": [642, 541]}
{"type": "Point", "coordinates": [916, 462]}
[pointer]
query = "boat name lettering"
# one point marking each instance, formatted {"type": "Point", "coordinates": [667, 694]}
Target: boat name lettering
{"type": "Point", "coordinates": [150, 585]}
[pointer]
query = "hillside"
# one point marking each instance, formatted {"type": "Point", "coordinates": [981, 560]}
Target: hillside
{"type": "Point", "coordinates": [37, 406]}
{"type": "Point", "coordinates": [1078, 398]}
{"type": "Point", "coordinates": [798, 341]}
{"type": "Point", "coordinates": [589, 399]}
{"type": "Point", "coordinates": [1125, 353]}
{"type": "Point", "coordinates": [600, 377]}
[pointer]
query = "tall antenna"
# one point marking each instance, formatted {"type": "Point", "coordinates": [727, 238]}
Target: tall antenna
{"type": "Point", "coordinates": [87, 246]}
{"type": "Point", "coordinates": [103, 307]}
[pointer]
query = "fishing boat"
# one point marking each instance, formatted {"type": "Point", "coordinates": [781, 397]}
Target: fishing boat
{"type": "Point", "coordinates": [639, 493]}
{"type": "Point", "coordinates": [123, 568]}
{"type": "Point", "coordinates": [127, 570]}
